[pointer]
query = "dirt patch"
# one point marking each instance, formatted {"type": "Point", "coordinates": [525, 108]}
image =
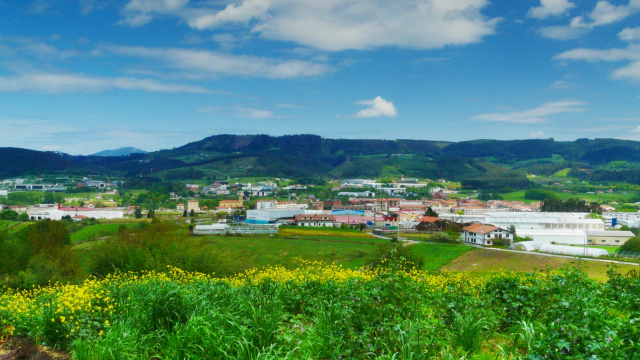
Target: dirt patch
{"type": "Point", "coordinates": [26, 349]}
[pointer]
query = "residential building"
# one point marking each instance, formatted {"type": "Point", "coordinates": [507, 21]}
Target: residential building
{"type": "Point", "coordinates": [193, 205]}
{"type": "Point", "coordinates": [485, 234]}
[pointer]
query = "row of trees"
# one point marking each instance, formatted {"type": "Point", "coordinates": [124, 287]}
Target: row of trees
{"type": "Point", "coordinates": [570, 205]}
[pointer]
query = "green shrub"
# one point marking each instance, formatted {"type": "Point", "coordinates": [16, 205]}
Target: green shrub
{"type": "Point", "coordinates": [633, 244]}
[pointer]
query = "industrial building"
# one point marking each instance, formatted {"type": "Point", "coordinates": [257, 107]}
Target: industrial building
{"type": "Point", "coordinates": [57, 212]}
{"type": "Point", "coordinates": [269, 216]}
{"type": "Point", "coordinates": [609, 238]}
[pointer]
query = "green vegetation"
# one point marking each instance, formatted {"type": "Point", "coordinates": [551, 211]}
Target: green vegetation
{"type": "Point", "coordinates": [487, 261]}
{"type": "Point", "coordinates": [561, 173]}
{"type": "Point", "coordinates": [436, 256]}
{"type": "Point", "coordinates": [92, 232]}
{"type": "Point", "coordinates": [633, 244]}
{"type": "Point", "coordinates": [327, 312]}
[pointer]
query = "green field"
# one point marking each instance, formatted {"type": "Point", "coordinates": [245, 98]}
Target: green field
{"type": "Point", "coordinates": [519, 196]}
{"type": "Point", "coordinates": [562, 173]}
{"type": "Point", "coordinates": [438, 255]}
{"type": "Point", "coordinates": [92, 232]}
{"type": "Point", "coordinates": [486, 261]}
{"type": "Point", "coordinates": [243, 253]}
{"type": "Point", "coordinates": [12, 226]}
{"type": "Point", "coordinates": [322, 231]}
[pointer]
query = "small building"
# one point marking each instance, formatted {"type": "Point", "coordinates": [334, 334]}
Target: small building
{"type": "Point", "coordinates": [608, 238]}
{"type": "Point", "coordinates": [193, 205]}
{"type": "Point", "coordinates": [180, 207]}
{"type": "Point", "coordinates": [320, 220]}
{"type": "Point", "coordinates": [230, 205]}
{"type": "Point", "coordinates": [483, 234]}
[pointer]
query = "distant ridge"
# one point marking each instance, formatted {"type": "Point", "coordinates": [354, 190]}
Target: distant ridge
{"type": "Point", "coordinates": [123, 151]}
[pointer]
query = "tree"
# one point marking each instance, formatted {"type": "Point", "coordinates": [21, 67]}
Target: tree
{"type": "Point", "coordinates": [633, 244]}
{"type": "Point", "coordinates": [430, 212]}
{"type": "Point", "coordinates": [8, 215]}
{"type": "Point", "coordinates": [184, 214]}
{"type": "Point", "coordinates": [138, 213]}
{"type": "Point", "coordinates": [23, 217]}
{"type": "Point", "coordinates": [151, 214]}
{"type": "Point", "coordinates": [192, 213]}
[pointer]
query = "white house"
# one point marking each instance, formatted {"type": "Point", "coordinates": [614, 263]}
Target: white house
{"type": "Point", "coordinates": [484, 234]}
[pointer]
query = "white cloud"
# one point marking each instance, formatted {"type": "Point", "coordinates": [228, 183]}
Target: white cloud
{"type": "Point", "coordinates": [635, 129]}
{"type": "Point", "coordinates": [378, 107]}
{"type": "Point", "coordinates": [630, 34]}
{"type": "Point", "coordinates": [536, 115]}
{"type": "Point", "coordinates": [141, 12]}
{"type": "Point", "coordinates": [537, 134]}
{"type": "Point", "coordinates": [629, 72]}
{"type": "Point", "coordinates": [549, 8]}
{"type": "Point", "coordinates": [561, 32]}
{"type": "Point", "coordinates": [87, 6]}
{"type": "Point", "coordinates": [209, 63]}
{"type": "Point", "coordinates": [631, 54]}
{"type": "Point", "coordinates": [239, 112]}
{"type": "Point", "coordinates": [65, 83]}
{"type": "Point", "coordinates": [561, 85]}
{"type": "Point", "coordinates": [335, 25]}
{"type": "Point", "coordinates": [604, 13]}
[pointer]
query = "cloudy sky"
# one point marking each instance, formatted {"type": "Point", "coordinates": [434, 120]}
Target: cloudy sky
{"type": "Point", "coordinates": [80, 76]}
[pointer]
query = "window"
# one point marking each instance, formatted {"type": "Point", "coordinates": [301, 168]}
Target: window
{"type": "Point", "coordinates": [603, 241]}
{"type": "Point", "coordinates": [617, 241]}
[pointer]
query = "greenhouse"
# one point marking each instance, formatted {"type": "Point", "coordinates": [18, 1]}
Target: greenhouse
{"type": "Point", "coordinates": [527, 245]}
{"type": "Point", "coordinates": [573, 250]}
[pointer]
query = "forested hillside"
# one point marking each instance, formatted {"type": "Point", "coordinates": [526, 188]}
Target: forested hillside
{"type": "Point", "coordinates": [477, 164]}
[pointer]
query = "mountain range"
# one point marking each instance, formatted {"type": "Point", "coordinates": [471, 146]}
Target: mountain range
{"type": "Point", "coordinates": [123, 151]}
{"type": "Point", "coordinates": [477, 163]}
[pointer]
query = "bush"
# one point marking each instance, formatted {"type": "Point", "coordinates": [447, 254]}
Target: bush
{"type": "Point", "coordinates": [633, 244]}
{"type": "Point", "coordinates": [395, 256]}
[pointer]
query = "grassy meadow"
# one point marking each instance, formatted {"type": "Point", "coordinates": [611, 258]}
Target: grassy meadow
{"type": "Point", "coordinates": [484, 261]}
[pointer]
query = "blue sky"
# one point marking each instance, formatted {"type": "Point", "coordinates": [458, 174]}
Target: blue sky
{"type": "Point", "coordinates": [80, 76]}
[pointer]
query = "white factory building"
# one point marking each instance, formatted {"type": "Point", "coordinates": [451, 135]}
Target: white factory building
{"type": "Point", "coordinates": [531, 220]}
{"type": "Point", "coordinates": [541, 227]}
{"type": "Point", "coordinates": [269, 216]}
{"type": "Point", "coordinates": [57, 212]}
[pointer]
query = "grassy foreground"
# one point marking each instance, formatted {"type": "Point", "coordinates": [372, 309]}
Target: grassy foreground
{"type": "Point", "coordinates": [321, 311]}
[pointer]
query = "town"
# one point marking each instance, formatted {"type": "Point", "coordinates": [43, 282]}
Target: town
{"type": "Point", "coordinates": [398, 209]}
